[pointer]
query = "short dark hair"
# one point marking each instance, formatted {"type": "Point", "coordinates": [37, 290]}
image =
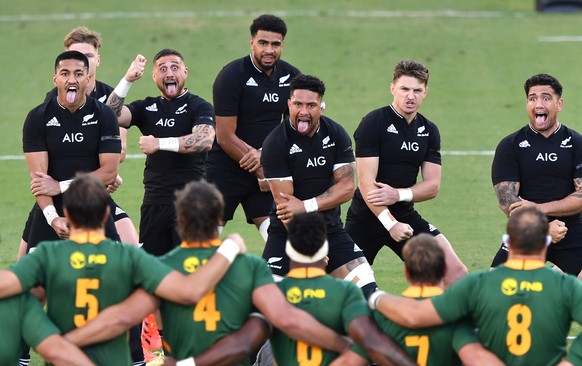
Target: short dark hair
{"type": "Point", "coordinates": [72, 55]}
{"type": "Point", "coordinates": [424, 260]}
{"type": "Point", "coordinates": [167, 52]}
{"type": "Point", "coordinates": [307, 232]}
{"type": "Point", "coordinates": [528, 230]}
{"type": "Point", "coordinates": [411, 68]}
{"type": "Point", "coordinates": [199, 207]}
{"type": "Point", "coordinates": [543, 79]}
{"type": "Point", "coordinates": [307, 82]}
{"type": "Point", "coordinates": [269, 23]}
{"type": "Point", "coordinates": [86, 201]}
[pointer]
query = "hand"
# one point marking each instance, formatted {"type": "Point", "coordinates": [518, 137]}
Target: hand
{"type": "Point", "coordinates": [251, 161]}
{"type": "Point", "coordinates": [384, 195]}
{"type": "Point", "coordinates": [169, 361]}
{"type": "Point", "coordinates": [136, 69]}
{"type": "Point", "coordinates": [113, 187]}
{"type": "Point", "coordinates": [240, 241]}
{"type": "Point", "coordinates": [149, 144]}
{"type": "Point", "coordinates": [44, 185]}
{"type": "Point", "coordinates": [291, 206]}
{"type": "Point", "coordinates": [401, 231]}
{"type": "Point", "coordinates": [557, 230]}
{"type": "Point", "coordinates": [61, 227]}
{"type": "Point", "coordinates": [519, 205]}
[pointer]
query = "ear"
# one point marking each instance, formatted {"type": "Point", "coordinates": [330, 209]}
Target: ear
{"type": "Point", "coordinates": [106, 215]}
{"type": "Point", "coordinates": [406, 274]}
{"type": "Point", "coordinates": [55, 79]}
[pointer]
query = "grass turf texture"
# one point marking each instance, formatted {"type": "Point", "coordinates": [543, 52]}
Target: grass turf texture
{"type": "Point", "coordinates": [479, 54]}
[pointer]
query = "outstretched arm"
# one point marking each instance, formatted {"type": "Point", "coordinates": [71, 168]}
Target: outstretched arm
{"type": "Point", "coordinates": [407, 312]}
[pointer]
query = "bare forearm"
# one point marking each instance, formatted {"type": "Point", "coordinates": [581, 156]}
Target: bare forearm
{"type": "Point", "coordinates": [506, 195]}
{"type": "Point", "coordinates": [234, 147]}
{"type": "Point", "coordinates": [570, 205]}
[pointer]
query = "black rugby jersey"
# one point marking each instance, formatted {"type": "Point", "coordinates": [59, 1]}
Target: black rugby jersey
{"type": "Point", "coordinates": [101, 92]}
{"type": "Point", "coordinates": [544, 167]}
{"type": "Point", "coordinates": [166, 171]}
{"type": "Point", "coordinates": [308, 160]}
{"type": "Point", "coordinates": [73, 140]}
{"type": "Point", "coordinates": [257, 100]}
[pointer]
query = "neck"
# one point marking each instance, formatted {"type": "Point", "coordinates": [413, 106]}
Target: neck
{"type": "Point", "coordinates": [538, 256]}
{"type": "Point", "coordinates": [91, 85]}
{"type": "Point", "coordinates": [319, 264]}
{"type": "Point", "coordinates": [79, 231]}
{"type": "Point", "coordinates": [407, 116]}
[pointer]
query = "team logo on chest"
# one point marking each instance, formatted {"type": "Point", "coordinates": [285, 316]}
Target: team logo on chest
{"type": "Point", "coordinates": [420, 132]}
{"type": "Point", "coordinates": [326, 144]}
{"type": "Point", "coordinates": [283, 81]}
{"type": "Point", "coordinates": [87, 120]}
{"type": "Point", "coordinates": [182, 109]}
{"type": "Point", "coordinates": [566, 143]}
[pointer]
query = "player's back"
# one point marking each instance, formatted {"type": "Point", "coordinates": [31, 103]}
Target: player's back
{"type": "Point", "coordinates": [334, 303]}
{"type": "Point", "coordinates": [190, 330]}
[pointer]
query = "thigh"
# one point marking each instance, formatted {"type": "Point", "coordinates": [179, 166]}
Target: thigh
{"type": "Point", "coordinates": [257, 204]}
{"type": "Point", "coordinates": [156, 229]}
{"type": "Point", "coordinates": [274, 251]}
{"type": "Point", "coordinates": [342, 250]}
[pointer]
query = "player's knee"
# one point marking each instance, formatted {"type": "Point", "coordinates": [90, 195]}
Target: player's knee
{"type": "Point", "coordinates": [362, 275]}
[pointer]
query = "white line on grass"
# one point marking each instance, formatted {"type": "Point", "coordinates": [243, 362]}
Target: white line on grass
{"type": "Point", "coordinates": [560, 39]}
{"type": "Point", "coordinates": [242, 13]}
{"type": "Point", "coordinates": [142, 156]}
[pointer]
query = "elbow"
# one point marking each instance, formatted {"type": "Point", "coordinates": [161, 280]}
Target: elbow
{"type": "Point", "coordinates": [287, 324]}
{"type": "Point", "coordinates": [433, 191]}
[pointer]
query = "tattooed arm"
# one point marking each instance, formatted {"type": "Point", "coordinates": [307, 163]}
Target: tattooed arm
{"type": "Point", "coordinates": [199, 141]}
{"type": "Point", "coordinates": [567, 206]}
{"type": "Point", "coordinates": [507, 195]}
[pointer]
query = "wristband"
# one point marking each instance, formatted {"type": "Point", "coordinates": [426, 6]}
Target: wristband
{"type": "Point", "coordinates": [186, 362]}
{"type": "Point", "coordinates": [310, 205]}
{"type": "Point", "coordinates": [405, 194]}
{"type": "Point", "coordinates": [262, 179]}
{"type": "Point", "coordinates": [386, 221]}
{"type": "Point", "coordinates": [373, 299]}
{"type": "Point", "coordinates": [229, 249]}
{"type": "Point", "coordinates": [50, 213]}
{"type": "Point", "coordinates": [64, 185]}
{"type": "Point", "coordinates": [122, 88]}
{"type": "Point", "coordinates": [169, 144]}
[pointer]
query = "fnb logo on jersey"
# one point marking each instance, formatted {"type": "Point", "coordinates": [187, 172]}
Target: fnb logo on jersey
{"type": "Point", "coordinates": [79, 261]}
{"type": "Point", "coordinates": [191, 264]}
{"type": "Point", "coordinates": [295, 295]}
{"type": "Point", "coordinates": [510, 286]}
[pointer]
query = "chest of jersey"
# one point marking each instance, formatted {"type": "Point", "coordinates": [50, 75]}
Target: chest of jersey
{"type": "Point", "coordinates": [545, 158]}
{"type": "Point", "coordinates": [166, 119]}
{"type": "Point", "coordinates": [72, 134]}
{"type": "Point", "coordinates": [311, 160]}
{"type": "Point", "coordinates": [403, 144]}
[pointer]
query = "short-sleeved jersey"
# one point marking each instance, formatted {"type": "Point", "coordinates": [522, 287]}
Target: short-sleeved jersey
{"type": "Point", "coordinates": [190, 330]}
{"type": "Point", "coordinates": [101, 92]}
{"type": "Point", "coordinates": [25, 323]}
{"type": "Point", "coordinates": [167, 171]}
{"type": "Point", "coordinates": [73, 140]}
{"type": "Point", "coordinates": [309, 161]}
{"type": "Point", "coordinates": [85, 275]}
{"type": "Point", "coordinates": [544, 167]}
{"type": "Point", "coordinates": [436, 346]}
{"type": "Point", "coordinates": [334, 303]}
{"type": "Point", "coordinates": [402, 147]}
{"type": "Point", "coordinates": [522, 309]}
{"type": "Point", "coordinates": [257, 100]}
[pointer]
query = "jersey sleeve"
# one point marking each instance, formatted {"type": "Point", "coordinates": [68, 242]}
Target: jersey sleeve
{"type": "Point", "coordinates": [367, 138]}
{"type": "Point", "coordinates": [262, 273]}
{"type": "Point", "coordinates": [136, 108]}
{"type": "Point", "coordinates": [455, 302]}
{"type": "Point", "coordinates": [32, 268]}
{"type": "Point", "coordinates": [463, 334]}
{"type": "Point", "coordinates": [149, 270]}
{"type": "Point", "coordinates": [577, 154]}
{"type": "Point", "coordinates": [36, 326]}
{"type": "Point", "coordinates": [110, 138]}
{"type": "Point", "coordinates": [274, 158]}
{"type": "Point", "coordinates": [344, 151]}
{"type": "Point", "coordinates": [226, 92]}
{"type": "Point", "coordinates": [204, 114]}
{"type": "Point", "coordinates": [354, 306]}
{"type": "Point", "coordinates": [33, 135]}
{"type": "Point", "coordinates": [433, 154]}
{"type": "Point", "coordinates": [505, 167]}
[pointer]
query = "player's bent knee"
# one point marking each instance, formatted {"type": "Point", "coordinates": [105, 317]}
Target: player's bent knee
{"type": "Point", "coordinates": [362, 275]}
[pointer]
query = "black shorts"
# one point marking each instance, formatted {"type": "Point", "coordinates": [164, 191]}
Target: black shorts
{"type": "Point", "coordinates": [238, 187]}
{"type": "Point", "coordinates": [157, 229]}
{"type": "Point", "coordinates": [370, 235]}
{"type": "Point", "coordinates": [566, 254]}
{"type": "Point", "coordinates": [342, 248]}
{"type": "Point", "coordinates": [40, 230]}
{"type": "Point", "coordinates": [116, 211]}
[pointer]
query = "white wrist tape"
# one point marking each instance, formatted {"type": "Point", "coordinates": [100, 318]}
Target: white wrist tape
{"type": "Point", "coordinates": [405, 194]}
{"type": "Point", "coordinates": [229, 249]}
{"type": "Point", "coordinates": [186, 362]}
{"type": "Point", "coordinates": [310, 205]}
{"type": "Point", "coordinates": [50, 213]}
{"type": "Point", "coordinates": [169, 144]}
{"type": "Point", "coordinates": [385, 219]}
{"type": "Point", "coordinates": [64, 185]}
{"type": "Point", "coordinates": [122, 88]}
{"type": "Point", "coordinates": [373, 299]}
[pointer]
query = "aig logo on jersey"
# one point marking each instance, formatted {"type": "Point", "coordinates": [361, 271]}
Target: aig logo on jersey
{"type": "Point", "coordinates": [315, 162]}
{"type": "Point", "coordinates": [409, 146]}
{"type": "Point", "coordinates": [166, 122]}
{"type": "Point", "coordinates": [73, 137]}
{"type": "Point", "coordinates": [547, 157]}
{"type": "Point", "coordinates": [271, 98]}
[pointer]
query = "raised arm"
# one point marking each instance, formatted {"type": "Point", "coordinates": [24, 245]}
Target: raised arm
{"type": "Point", "coordinates": [296, 323]}
{"type": "Point", "coordinates": [117, 97]}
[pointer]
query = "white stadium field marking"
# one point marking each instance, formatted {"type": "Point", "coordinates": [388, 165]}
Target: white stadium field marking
{"type": "Point", "coordinates": [142, 156]}
{"type": "Point", "coordinates": [242, 13]}
{"type": "Point", "coordinates": [560, 39]}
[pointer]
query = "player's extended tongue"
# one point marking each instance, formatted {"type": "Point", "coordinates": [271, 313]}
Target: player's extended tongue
{"type": "Point", "coordinates": [171, 88]}
{"type": "Point", "coordinates": [71, 94]}
{"type": "Point", "coordinates": [302, 127]}
{"type": "Point", "coordinates": [540, 119]}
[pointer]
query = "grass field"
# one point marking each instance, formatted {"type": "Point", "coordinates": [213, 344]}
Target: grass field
{"type": "Point", "coordinates": [479, 54]}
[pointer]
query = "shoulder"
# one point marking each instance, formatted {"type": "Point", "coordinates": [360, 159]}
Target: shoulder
{"type": "Point", "coordinates": [285, 67]}
{"type": "Point", "coordinates": [235, 67]}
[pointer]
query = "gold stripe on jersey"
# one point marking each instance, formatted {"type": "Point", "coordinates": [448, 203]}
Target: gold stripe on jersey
{"type": "Point", "coordinates": [92, 237]}
{"type": "Point", "coordinates": [418, 292]}
{"type": "Point", "coordinates": [306, 272]}
{"type": "Point", "coordinates": [524, 264]}
{"type": "Point", "coordinates": [201, 244]}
